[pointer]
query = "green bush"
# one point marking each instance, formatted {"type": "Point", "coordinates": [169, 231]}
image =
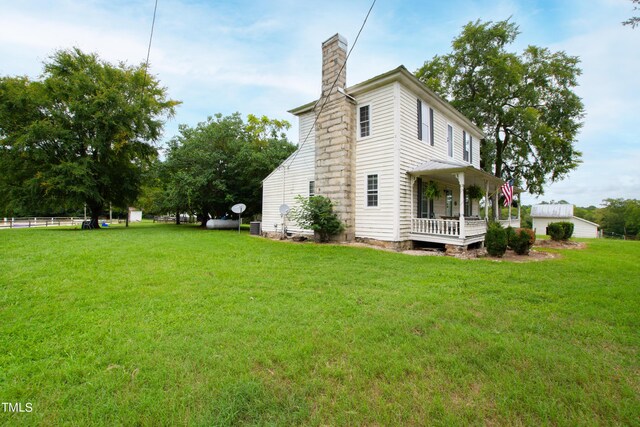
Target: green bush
{"type": "Point", "coordinates": [511, 235]}
{"type": "Point", "coordinates": [522, 242]}
{"type": "Point", "coordinates": [555, 230]}
{"type": "Point", "coordinates": [496, 239]}
{"type": "Point", "coordinates": [568, 229]}
{"type": "Point", "coordinates": [530, 233]}
{"type": "Point", "coordinates": [316, 213]}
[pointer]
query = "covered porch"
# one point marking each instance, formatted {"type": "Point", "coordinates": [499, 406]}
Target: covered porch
{"type": "Point", "coordinates": [446, 202]}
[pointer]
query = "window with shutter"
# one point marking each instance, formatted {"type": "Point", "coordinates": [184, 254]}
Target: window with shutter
{"type": "Point", "coordinates": [419, 104]}
{"type": "Point", "coordinates": [431, 126]}
{"type": "Point", "coordinates": [465, 147]}
{"type": "Point", "coordinates": [450, 140]}
{"type": "Point", "coordinates": [425, 121]}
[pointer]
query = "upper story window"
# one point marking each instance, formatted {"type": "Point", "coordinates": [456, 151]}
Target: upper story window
{"type": "Point", "coordinates": [425, 122]}
{"type": "Point", "coordinates": [312, 188]}
{"type": "Point", "coordinates": [365, 121]}
{"type": "Point", "coordinates": [465, 146]}
{"type": "Point", "coordinates": [450, 140]}
{"type": "Point", "coordinates": [372, 190]}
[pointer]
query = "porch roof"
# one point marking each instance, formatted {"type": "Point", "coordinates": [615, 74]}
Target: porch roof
{"type": "Point", "coordinates": [443, 169]}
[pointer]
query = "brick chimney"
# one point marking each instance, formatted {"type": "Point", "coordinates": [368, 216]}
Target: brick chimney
{"type": "Point", "coordinates": [335, 136]}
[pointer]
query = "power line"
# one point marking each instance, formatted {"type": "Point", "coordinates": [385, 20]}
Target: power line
{"type": "Point", "coordinates": [146, 64]}
{"type": "Point", "coordinates": [326, 98]}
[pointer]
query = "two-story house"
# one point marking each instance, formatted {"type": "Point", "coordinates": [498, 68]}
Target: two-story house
{"type": "Point", "coordinates": [378, 150]}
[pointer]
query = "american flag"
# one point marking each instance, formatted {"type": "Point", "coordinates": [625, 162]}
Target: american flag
{"type": "Point", "coordinates": [507, 191]}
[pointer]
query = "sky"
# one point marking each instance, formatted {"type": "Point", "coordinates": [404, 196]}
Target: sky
{"type": "Point", "coordinates": [264, 58]}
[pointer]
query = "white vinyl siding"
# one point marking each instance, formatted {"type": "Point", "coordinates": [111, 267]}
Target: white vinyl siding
{"type": "Point", "coordinates": [413, 152]}
{"type": "Point", "coordinates": [290, 179]}
{"type": "Point", "coordinates": [375, 155]}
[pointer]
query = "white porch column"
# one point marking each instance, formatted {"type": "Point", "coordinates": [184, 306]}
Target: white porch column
{"type": "Point", "coordinates": [519, 204]}
{"type": "Point", "coordinates": [413, 180]}
{"type": "Point", "coordinates": [460, 177]}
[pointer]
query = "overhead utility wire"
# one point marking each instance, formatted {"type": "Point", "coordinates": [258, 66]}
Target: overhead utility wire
{"type": "Point", "coordinates": [146, 64]}
{"type": "Point", "coordinates": [326, 98]}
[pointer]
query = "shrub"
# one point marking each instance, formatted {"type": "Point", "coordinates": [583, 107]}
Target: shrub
{"type": "Point", "coordinates": [496, 239]}
{"type": "Point", "coordinates": [568, 229]}
{"type": "Point", "coordinates": [511, 235]}
{"type": "Point", "coordinates": [555, 230]}
{"type": "Point", "coordinates": [522, 241]}
{"type": "Point", "coordinates": [316, 213]}
{"type": "Point", "coordinates": [530, 233]}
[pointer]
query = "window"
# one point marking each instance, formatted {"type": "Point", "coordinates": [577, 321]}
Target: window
{"type": "Point", "coordinates": [425, 122]}
{"type": "Point", "coordinates": [425, 208]}
{"type": "Point", "coordinates": [450, 140]}
{"type": "Point", "coordinates": [448, 199]}
{"type": "Point", "coordinates": [465, 146]}
{"type": "Point", "coordinates": [468, 208]}
{"type": "Point", "coordinates": [312, 188]}
{"type": "Point", "coordinates": [372, 190]}
{"type": "Point", "coordinates": [365, 121]}
{"type": "Point", "coordinates": [470, 149]}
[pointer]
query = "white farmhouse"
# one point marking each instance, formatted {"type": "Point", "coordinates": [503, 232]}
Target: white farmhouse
{"type": "Point", "coordinates": [542, 215]}
{"type": "Point", "coordinates": [373, 148]}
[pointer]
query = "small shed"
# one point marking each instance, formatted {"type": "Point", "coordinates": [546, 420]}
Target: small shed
{"type": "Point", "coordinates": [542, 215]}
{"type": "Point", "coordinates": [135, 215]}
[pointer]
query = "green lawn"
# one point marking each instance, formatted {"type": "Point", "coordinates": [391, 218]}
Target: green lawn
{"type": "Point", "coordinates": [165, 325]}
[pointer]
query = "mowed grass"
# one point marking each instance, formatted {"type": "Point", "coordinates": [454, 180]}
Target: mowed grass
{"type": "Point", "coordinates": [174, 325]}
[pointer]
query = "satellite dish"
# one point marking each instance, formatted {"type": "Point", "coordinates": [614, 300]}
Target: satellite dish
{"type": "Point", "coordinates": [239, 208]}
{"type": "Point", "coordinates": [284, 209]}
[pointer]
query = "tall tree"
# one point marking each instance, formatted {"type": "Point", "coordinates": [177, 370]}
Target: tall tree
{"type": "Point", "coordinates": [80, 134]}
{"type": "Point", "coordinates": [634, 21]}
{"type": "Point", "coordinates": [620, 216]}
{"type": "Point", "coordinates": [221, 162]}
{"type": "Point", "coordinates": [525, 103]}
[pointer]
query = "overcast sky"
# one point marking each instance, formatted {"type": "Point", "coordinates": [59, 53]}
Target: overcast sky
{"type": "Point", "coordinates": [264, 57]}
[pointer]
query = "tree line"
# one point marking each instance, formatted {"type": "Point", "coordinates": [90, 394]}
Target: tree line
{"type": "Point", "coordinates": [86, 133]}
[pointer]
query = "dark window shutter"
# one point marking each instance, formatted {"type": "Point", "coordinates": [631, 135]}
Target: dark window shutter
{"type": "Point", "coordinates": [464, 146]}
{"type": "Point", "coordinates": [431, 124]}
{"type": "Point", "coordinates": [419, 197]}
{"type": "Point", "coordinates": [470, 149]}
{"type": "Point", "coordinates": [419, 120]}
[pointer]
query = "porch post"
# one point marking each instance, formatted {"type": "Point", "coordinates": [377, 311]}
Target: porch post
{"type": "Point", "coordinates": [519, 204]}
{"type": "Point", "coordinates": [461, 204]}
{"type": "Point", "coordinates": [486, 199]}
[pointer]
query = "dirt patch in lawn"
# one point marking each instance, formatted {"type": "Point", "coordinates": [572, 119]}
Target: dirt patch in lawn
{"type": "Point", "coordinates": [554, 244]}
{"type": "Point", "coordinates": [511, 256]}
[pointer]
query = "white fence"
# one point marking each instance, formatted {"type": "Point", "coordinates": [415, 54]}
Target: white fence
{"type": "Point", "coordinates": [42, 222]}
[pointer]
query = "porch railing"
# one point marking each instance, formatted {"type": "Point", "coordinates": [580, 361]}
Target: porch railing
{"type": "Point", "coordinates": [474, 227]}
{"type": "Point", "coordinates": [448, 227]}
